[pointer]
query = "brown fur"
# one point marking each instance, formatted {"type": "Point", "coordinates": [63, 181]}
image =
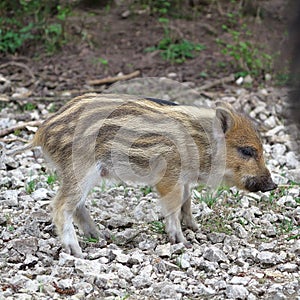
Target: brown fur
{"type": "Point", "coordinates": [144, 141]}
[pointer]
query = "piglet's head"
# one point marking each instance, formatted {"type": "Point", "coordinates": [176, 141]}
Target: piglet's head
{"type": "Point", "coordinates": [245, 165]}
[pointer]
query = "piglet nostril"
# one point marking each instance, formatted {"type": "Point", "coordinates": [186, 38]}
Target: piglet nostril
{"type": "Point", "coordinates": [272, 186]}
{"type": "Point", "coordinates": [263, 184]}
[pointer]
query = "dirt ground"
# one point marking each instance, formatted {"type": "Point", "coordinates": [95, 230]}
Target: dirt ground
{"type": "Point", "coordinates": [108, 40]}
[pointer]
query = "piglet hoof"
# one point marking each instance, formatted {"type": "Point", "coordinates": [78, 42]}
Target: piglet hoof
{"type": "Point", "coordinates": [188, 245]}
{"type": "Point", "coordinates": [194, 227]}
{"type": "Point", "coordinates": [91, 233]}
{"type": "Point", "coordinates": [172, 240]}
{"type": "Point", "coordinates": [74, 250]}
{"type": "Point", "coordinates": [175, 239]}
{"type": "Point", "coordinates": [77, 253]}
{"type": "Point", "coordinates": [190, 223]}
{"type": "Point", "coordinates": [105, 234]}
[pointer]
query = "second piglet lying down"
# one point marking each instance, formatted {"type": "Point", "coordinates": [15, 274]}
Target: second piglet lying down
{"type": "Point", "coordinates": [147, 141]}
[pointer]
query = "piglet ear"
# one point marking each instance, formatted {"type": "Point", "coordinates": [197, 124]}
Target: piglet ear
{"type": "Point", "coordinates": [224, 113]}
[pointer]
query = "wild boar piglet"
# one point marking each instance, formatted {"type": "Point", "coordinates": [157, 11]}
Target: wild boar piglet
{"type": "Point", "coordinates": [146, 141]}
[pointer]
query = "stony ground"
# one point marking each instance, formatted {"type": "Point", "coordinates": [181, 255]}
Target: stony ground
{"type": "Point", "coordinates": [247, 248]}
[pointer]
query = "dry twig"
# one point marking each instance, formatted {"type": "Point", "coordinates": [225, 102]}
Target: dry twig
{"type": "Point", "coordinates": [64, 291]}
{"type": "Point", "coordinates": [209, 28]}
{"type": "Point", "coordinates": [21, 65]}
{"type": "Point", "coordinates": [220, 9]}
{"type": "Point", "coordinates": [9, 130]}
{"type": "Point", "coordinates": [16, 139]}
{"type": "Point", "coordinates": [114, 79]}
{"type": "Point", "coordinates": [216, 82]}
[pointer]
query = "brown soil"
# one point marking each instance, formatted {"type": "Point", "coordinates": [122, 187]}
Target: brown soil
{"type": "Point", "coordinates": [96, 33]}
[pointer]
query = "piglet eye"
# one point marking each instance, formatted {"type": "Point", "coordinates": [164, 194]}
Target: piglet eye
{"type": "Point", "coordinates": [247, 152]}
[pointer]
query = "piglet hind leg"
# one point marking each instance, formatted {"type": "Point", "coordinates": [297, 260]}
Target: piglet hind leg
{"type": "Point", "coordinates": [186, 211]}
{"type": "Point", "coordinates": [69, 205]}
{"type": "Point", "coordinates": [171, 201]}
{"type": "Point", "coordinates": [64, 206]}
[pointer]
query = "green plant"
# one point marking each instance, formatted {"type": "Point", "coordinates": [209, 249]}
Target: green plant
{"type": "Point", "coordinates": [203, 74]}
{"type": "Point", "coordinates": [180, 51]}
{"type": "Point", "coordinates": [157, 226]}
{"type": "Point", "coordinates": [157, 7]}
{"type": "Point", "coordinates": [179, 261]}
{"type": "Point", "coordinates": [103, 185]}
{"type": "Point", "coordinates": [161, 6]}
{"type": "Point", "coordinates": [63, 12]}
{"type": "Point", "coordinates": [28, 106]}
{"type": "Point", "coordinates": [173, 50]}
{"type": "Point", "coordinates": [17, 132]}
{"type": "Point", "coordinates": [286, 226]}
{"type": "Point", "coordinates": [30, 187]}
{"type": "Point", "coordinates": [13, 39]}
{"type": "Point", "coordinates": [52, 108]}
{"type": "Point", "coordinates": [41, 286]}
{"type": "Point", "coordinates": [102, 61]}
{"type": "Point", "coordinates": [164, 7]}
{"type": "Point", "coordinates": [217, 222]}
{"type": "Point", "coordinates": [222, 64]}
{"type": "Point", "coordinates": [248, 58]}
{"type": "Point", "coordinates": [53, 33]}
{"type": "Point", "coordinates": [126, 296]}
{"type": "Point", "coordinates": [92, 240]}
{"type": "Point", "coordinates": [294, 237]}
{"type": "Point", "coordinates": [278, 193]}
{"type": "Point", "coordinates": [8, 218]}
{"type": "Point", "coordinates": [210, 198]}
{"type": "Point", "coordinates": [236, 194]}
{"type": "Point", "coordinates": [51, 179]}
{"type": "Point", "coordinates": [127, 191]}
{"type": "Point", "coordinates": [38, 20]}
{"type": "Point", "coordinates": [94, 203]}
{"type": "Point", "coordinates": [146, 190]}
{"type": "Point", "coordinates": [11, 228]}
{"type": "Point", "coordinates": [282, 79]}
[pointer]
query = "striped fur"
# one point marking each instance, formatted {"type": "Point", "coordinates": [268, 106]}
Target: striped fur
{"type": "Point", "coordinates": [144, 140]}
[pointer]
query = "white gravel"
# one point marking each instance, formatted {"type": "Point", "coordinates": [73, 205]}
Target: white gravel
{"type": "Point", "coordinates": [247, 248]}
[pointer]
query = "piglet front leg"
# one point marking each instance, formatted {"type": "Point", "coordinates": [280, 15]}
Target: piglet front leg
{"type": "Point", "coordinates": [171, 201]}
